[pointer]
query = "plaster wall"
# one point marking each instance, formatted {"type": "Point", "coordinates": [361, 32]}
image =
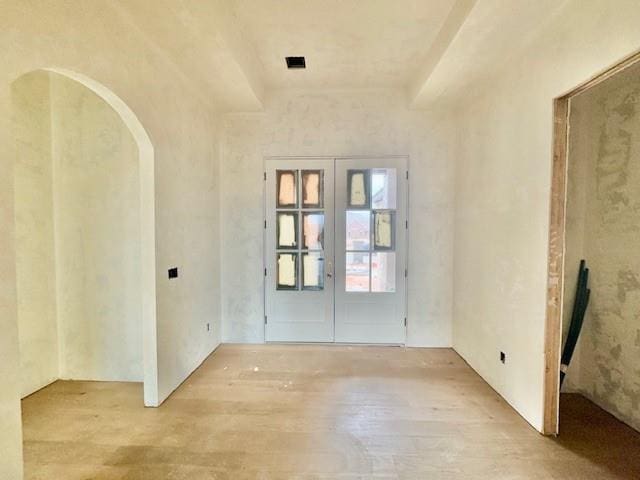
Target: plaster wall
{"type": "Point", "coordinates": [604, 206]}
{"type": "Point", "coordinates": [92, 39]}
{"type": "Point", "coordinates": [78, 230]}
{"type": "Point", "coordinates": [35, 255]}
{"type": "Point", "coordinates": [502, 193]}
{"type": "Point", "coordinates": [97, 236]}
{"type": "Point", "coordinates": [339, 123]}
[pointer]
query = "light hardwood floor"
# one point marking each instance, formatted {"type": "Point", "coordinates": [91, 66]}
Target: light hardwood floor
{"type": "Point", "coordinates": [316, 412]}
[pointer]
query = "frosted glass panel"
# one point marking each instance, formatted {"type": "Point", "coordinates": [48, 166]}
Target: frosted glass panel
{"type": "Point", "coordinates": [383, 188]}
{"type": "Point", "coordinates": [287, 188]}
{"type": "Point", "coordinates": [313, 230]}
{"type": "Point", "coordinates": [384, 231]}
{"type": "Point", "coordinates": [357, 272]}
{"type": "Point", "coordinates": [312, 271]}
{"type": "Point", "coordinates": [312, 188]}
{"type": "Point", "coordinates": [358, 229]}
{"type": "Point", "coordinates": [358, 188]}
{"type": "Point", "coordinates": [287, 230]}
{"type": "Point", "coordinates": [287, 271]}
{"type": "Point", "coordinates": [383, 272]}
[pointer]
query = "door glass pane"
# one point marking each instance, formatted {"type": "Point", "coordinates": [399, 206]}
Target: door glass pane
{"type": "Point", "coordinates": [287, 230]}
{"type": "Point", "coordinates": [358, 188]}
{"type": "Point", "coordinates": [383, 272]}
{"type": "Point", "coordinates": [287, 271]}
{"type": "Point", "coordinates": [357, 272]}
{"type": "Point", "coordinates": [358, 229]}
{"type": "Point", "coordinates": [312, 271]}
{"type": "Point", "coordinates": [287, 188]}
{"type": "Point", "coordinates": [313, 230]}
{"type": "Point", "coordinates": [383, 188]}
{"type": "Point", "coordinates": [384, 231]}
{"type": "Point", "coordinates": [312, 188]}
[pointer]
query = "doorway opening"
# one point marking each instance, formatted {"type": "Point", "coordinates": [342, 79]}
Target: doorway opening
{"type": "Point", "coordinates": [85, 238]}
{"type": "Point", "coordinates": [336, 250]}
{"type": "Point", "coordinates": [595, 217]}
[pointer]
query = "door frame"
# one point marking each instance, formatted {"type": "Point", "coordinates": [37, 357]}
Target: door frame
{"type": "Point", "coordinates": [266, 158]}
{"type": "Point", "coordinates": [556, 242]}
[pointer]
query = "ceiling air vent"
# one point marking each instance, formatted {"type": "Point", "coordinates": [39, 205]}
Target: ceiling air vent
{"type": "Point", "coordinates": [296, 62]}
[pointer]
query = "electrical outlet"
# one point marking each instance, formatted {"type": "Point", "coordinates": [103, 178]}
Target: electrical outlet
{"type": "Point", "coordinates": [503, 357]}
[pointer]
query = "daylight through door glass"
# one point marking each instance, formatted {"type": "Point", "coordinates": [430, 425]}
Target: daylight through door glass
{"type": "Point", "coordinates": [371, 230]}
{"type": "Point", "coordinates": [300, 229]}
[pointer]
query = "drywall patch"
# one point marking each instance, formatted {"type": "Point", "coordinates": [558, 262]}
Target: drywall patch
{"type": "Point", "coordinates": [616, 351]}
{"type": "Point", "coordinates": [627, 282]}
{"type": "Point", "coordinates": [634, 397]}
{"type": "Point", "coordinates": [611, 377]}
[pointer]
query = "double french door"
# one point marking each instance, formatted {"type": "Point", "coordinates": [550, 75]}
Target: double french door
{"type": "Point", "coordinates": [335, 250]}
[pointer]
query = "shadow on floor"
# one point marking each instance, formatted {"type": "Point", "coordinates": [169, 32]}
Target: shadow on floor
{"type": "Point", "coordinates": [597, 436]}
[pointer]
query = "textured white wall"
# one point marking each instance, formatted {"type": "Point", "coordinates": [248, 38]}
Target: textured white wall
{"type": "Point", "coordinates": [78, 246]}
{"type": "Point", "coordinates": [96, 191]}
{"type": "Point", "coordinates": [603, 205]}
{"type": "Point", "coordinates": [502, 193]}
{"type": "Point", "coordinates": [35, 255]}
{"type": "Point", "coordinates": [338, 123]}
{"type": "Point", "coordinates": [99, 42]}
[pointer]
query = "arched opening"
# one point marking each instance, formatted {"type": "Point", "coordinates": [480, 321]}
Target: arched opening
{"type": "Point", "coordinates": [85, 239]}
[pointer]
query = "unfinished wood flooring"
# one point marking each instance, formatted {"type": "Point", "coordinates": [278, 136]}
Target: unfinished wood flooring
{"type": "Point", "coordinates": [316, 412]}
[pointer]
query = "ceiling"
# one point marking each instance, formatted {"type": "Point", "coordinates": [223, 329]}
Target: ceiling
{"type": "Point", "coordinates": [200, 39]}
{"type": "Point", "coordinates": [231, 52]}
{"type": "Point", "coordinates": [492, 34]}
{"type": "Point", "coordinates": [347, 43]}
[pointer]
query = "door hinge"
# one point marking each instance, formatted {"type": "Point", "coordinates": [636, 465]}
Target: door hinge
{"type": "Point", "coordinates": [265, 319]}
{"type": "Point", "coordinates": [265, 224]}
{"type": "Point", "coordinates": [406, 224]}
{"type": "Point", "coordinates": [405, 321]}
{"type": "Point", "coordinates": [406, 273]}
{"type": "Point", "coordinates": [265, 272]}
{"type": "Point", "coordinates": [407, 172]}
{"type": "Point", "coordinates": [265, 176]}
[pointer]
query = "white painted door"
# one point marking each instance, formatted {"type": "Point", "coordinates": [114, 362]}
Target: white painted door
{"type": "Point", "coordinates": [336, 257]}
{"type": "Point", "coordinates": [299, 289]}
{"type": "Point", "coordinates": [371, 229]}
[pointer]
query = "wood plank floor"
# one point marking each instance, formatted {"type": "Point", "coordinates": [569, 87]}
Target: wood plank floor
{"type": "Point", "coordinates": [316, 412]}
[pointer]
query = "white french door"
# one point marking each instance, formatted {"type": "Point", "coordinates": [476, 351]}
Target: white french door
{"type": "Point", "coordinates": [335, 250]}
{"type": "Point", "coordinates": [371, 214]}
{"type": "Point", "coordinates": [299, 251]}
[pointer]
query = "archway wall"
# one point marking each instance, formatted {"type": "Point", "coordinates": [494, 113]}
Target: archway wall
{"type": "Point", "coordinates": [78, 231]}
{"type": "Point", "coordinates": [79, 168]}
{"type": "Point", "coordinates": [124, 124]}
{"type": "Point", "coordinates": [103, 44]}
{"type": "Point", "coordinates": [96, 204]}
